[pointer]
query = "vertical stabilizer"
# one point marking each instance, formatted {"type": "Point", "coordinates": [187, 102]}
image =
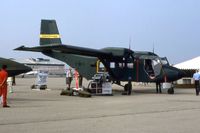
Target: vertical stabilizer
{"type": "Point", "coordinates": [49, 33]}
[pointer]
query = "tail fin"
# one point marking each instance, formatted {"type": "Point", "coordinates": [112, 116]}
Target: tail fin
{"type": "Point", "coordinates": [49, 33]}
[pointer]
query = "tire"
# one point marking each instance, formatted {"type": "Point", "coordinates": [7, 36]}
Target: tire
{"type": "Point", "coordinates": [126, 87]}
{"type": "Point", "coordinates": [171, 91]}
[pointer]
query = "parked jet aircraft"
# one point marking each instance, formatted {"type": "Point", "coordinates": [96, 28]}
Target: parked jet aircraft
{"type": "Point", "coordinates": [14, 68]}
{"type": "Point", "coordinates": [122, 64]}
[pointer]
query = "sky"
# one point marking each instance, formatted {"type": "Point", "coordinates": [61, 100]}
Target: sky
{"type": "Point", "coordinates": [172, 27]}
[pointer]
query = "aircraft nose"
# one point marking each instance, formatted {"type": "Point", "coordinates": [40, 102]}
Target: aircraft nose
{"type": "Point", "coordinates": [181, 74]}
{"type": "Point", "coordinates": [173, 73]}
{"type": "Point", "coordinates": [178, 74]}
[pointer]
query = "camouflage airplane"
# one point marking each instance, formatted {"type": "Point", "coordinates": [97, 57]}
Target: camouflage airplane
{"type": "Point", "coordinates": [122, 64]}
{"type": "Point", "coordinates": [14, 68]}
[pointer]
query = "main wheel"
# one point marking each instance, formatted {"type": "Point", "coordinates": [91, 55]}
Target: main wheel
{"type": "Point", "coordinates": [171, 90]}
{"type": "Point", "coordinates": [128, 88]}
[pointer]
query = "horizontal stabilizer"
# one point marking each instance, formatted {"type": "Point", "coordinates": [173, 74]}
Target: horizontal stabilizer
{"type": "Point", "coordinates": [43, 48]}
{"type": "Point", "coordinates": [68, 49]}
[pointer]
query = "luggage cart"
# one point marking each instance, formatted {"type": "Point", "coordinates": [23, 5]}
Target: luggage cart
{"type": "Point", "coordinates": [100, 84]}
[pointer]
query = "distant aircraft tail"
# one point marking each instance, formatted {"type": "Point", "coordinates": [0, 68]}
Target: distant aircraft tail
{"type": "Point", "coordinates": [49, 33]}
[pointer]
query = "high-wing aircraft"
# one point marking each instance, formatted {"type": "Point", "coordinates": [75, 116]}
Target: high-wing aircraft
{"type": "Point", "coordinates": [122, 64]}
{"type": "Point", "coordinates": [14, 68]}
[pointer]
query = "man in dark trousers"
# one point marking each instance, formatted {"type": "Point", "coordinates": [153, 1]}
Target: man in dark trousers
{"type": "Point", "coordinates": [69, 78]}
{"type": "Point", "coordinates": [3, 85]}
{"type": "Point", "coordinates": [196, 77]}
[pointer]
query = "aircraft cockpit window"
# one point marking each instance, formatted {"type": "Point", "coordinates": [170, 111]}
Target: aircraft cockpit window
{"type": "Point", "coordinates": [164, 61]}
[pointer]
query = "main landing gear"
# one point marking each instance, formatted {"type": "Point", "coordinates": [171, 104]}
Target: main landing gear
{"type": "Point", "coordinates": [170, 90]}
{"type": "Point", "coordinates": [127, 89]}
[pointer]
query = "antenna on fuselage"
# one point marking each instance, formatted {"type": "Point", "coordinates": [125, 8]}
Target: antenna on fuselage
{"type": "Point", "coordinates": [153, 48]}
{"type": "Point", "coordinates": [130, 42]}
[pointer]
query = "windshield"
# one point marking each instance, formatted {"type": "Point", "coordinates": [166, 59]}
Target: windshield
{"type": "Point", "coordinates": [164, 61]}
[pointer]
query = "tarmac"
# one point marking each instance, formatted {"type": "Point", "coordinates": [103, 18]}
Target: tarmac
{"type": "Point", "coordinates": [144, 111]}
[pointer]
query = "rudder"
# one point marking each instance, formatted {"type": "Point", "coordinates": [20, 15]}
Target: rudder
{"type": "Point", "coordinates": [49, 33]}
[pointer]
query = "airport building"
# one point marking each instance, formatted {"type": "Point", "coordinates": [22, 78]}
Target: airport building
{"type": "Point", "coordinates": [54, 67]}
{"type": "Point", "coordinates": [189, 66]}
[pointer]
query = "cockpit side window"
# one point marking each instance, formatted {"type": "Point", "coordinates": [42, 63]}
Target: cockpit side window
{"type": "Point", "coordinates": [164, 61]}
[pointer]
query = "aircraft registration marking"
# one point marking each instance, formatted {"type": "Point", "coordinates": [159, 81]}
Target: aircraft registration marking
{"type": "Point", "coordinates": [49, 36]}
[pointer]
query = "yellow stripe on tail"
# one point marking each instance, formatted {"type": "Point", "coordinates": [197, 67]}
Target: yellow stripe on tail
{"type": "Point", "coordinates": [49, 36]}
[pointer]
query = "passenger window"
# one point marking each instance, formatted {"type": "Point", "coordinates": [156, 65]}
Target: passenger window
{"type": "Point", "coordinates": [130, 65]}
{"type": "Point", "coordinates": [121, 65]}
{"type": "Point", "coordinates": [112, 64]}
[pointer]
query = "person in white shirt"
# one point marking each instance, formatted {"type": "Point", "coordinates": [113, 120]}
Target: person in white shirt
{"type": "Point", "coordinates": [196, 77]}
{"type": "Point", "coordinates": [69, 75]}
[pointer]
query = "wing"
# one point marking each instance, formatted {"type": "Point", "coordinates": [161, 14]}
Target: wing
{"type": "Point", "coordinates": [67, 49]}
{"type": "Point", "coordinates": [13, 67]}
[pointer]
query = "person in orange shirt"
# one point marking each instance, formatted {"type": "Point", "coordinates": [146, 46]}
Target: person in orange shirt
{"type": "Point", "coordinates": [3, 85]}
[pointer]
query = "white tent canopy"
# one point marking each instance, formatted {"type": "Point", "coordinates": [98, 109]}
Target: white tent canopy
{"type": "Point", "coordinates": [193, 64]}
